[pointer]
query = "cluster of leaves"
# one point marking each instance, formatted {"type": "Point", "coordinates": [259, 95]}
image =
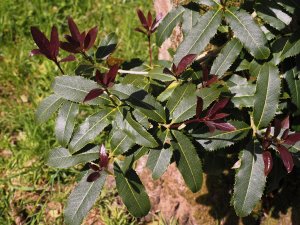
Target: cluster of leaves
{"type": "Point", "coordinates": [180, 111]}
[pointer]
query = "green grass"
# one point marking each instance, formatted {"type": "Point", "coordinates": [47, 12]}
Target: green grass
{"type": "Point", "coordinates": [29, 190]}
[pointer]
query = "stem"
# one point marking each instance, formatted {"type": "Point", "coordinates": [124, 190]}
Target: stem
{"type": "Point", "coordinates": [59, 67]}
{"type": "Point", "coordinates": [87, 57]}
{"type": "Point", "coordinates": [133, 72]}
{"type": "Point", "coordinates": [150, 49]}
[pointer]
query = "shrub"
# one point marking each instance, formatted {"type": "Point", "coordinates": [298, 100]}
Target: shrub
{"type": "Point", "coordinates": [240, 98]}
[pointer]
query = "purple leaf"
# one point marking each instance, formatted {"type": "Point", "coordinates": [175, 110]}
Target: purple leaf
{"type": "Point", "coordinates": [266, 144]}
{"type": "Point", "coordinates": [211, 126]}
{"type": "Point", "coordinates": [219, 116]}
{"type": "Point", "coordinates": [205, 73]}
{"type": "Point", "coordinates": [41, 41]}
{"type": "Point", "coordinates": [217, 107]}
{"type": "Point", "coordinates": [277, 127]}
{"type": "Point", "coordinates": [199, 106]}
{"type": "Point", "coordinates": [285, 123]}
{"type": "Point", "coordinates": [211, 81]}
{"type": "Point", "coordinates": [93, 94]}
{"type": "Point", "coordinates": [93, 176]}
{"type": "Point", "coordinates": [103, 157]}
{"type": "Point", "coordinates": [142, 18]}
{"type": "Point", "coordinates": [54, 42]}
{"type": "Point", "coordinates": [149, 20]}
{"type": "Point", "coordinates": [90, 38]}
{"type": "Point", "coordinates": [156, 22]}
{"type": "Point", "coordinates": [99, 77]}
{"type": "Point", "coordinates": [69, 47]}
{"type": "Point", "coordinates": [69, 58]}
{"type": "Point", "coordinates": [74, 30]}
{"type": "Point", "coordinates": [268, 161]}
{"type": "Point", "coordinates": [185, 61]}
{"type": "Point", "coordinates": [167, 71]}
{"type": "Point", "coordinates": [35, 52]}
{"type": "Point", "coordinates": [285, 134]}
{"type": "Point", "coordinates": [224, 126]}
{"type": "Point", "coordinates": [140, 30]}
{"type": "Point", "coordinates": [292, 139]}
{"type": "Point", "coordinates": [94, 167]}
{"type": "Point", "coordinates": [286, 157]}
{"type": "Point", "coordinates": [110, 76]}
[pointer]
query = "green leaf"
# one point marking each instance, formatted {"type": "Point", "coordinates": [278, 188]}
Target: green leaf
{"type": "Point", "coordinates": [120, 142]}
{"type": "Point", "coordinates": [132, 192]}
{"type": "Point", "coordinates": [208, 2]}
{"type": "Point", "coordinates": [190, 19]}
{"type": "Point", "coordinates": [47, 107]}
{"type": "Point", "coordinates": [186, 108]}
{"type": "Point", "coordinates": [250, 180]}
{"type": "Point", "coordinates": [158, 161]}
{"type": "Point", "coordinates": [65, 122]}
{"type": "Point", "coordinates": [292, 78]}
{"type": "Point", "coordinates": [292, 47]}
{"type": "Point", "coordinates": [157, 73]}
{"type": "Point", "coordinates": [221, 139]}
{"type": "Point", "coordinates": [243, 91]}
{"type": "Point", "coordinates": [141, 119]}
{"type": "Point", "coordinates": [291, 6]}
{"type": "Point", "coordinates": [168, 91]}
{"type": "Point", "coordinates": [140, 100]}
{"type": "Point", "coordinates": [177, 98]}
{"type": "Point", "coordinates": [61, 157]}
{"type": "Point", "coordinates": [107, 46]}
{"type": "Point", "coordinates": [278, 46]}
{"type": "Point", "coordinates": [271, 13]}
{"type": "Point", "coordinates": [244, 65]}
{"type": "Point", "coordinates": [200, 35]}
{"type": "Point", "coordinates": [226, 58]}
{"type": "Point", "coordinates": [138, 81]}
{"type": "Point", "coordinates": [135, 130]}
{"type": "Point", "coordinates": [209, 94]}
{"type": "Point", "coordinates": [187, 161]}
{"type": "Point", "coordinates": [76, 88]}
{"type": "Point", "coordinates": [248, 32]}
{"type": "Point", "coordinates": [266, 96]}
{"type": "Point", "coordinates": [85, 70]}
{"type": "Point", "coordinates": [82, 199]}
{"type": "Point", "coordinates": [168, 23]}
{"type": "Point", "coordinates": [90, 129]}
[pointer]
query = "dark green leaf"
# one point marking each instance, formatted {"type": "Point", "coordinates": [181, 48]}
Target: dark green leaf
{"type": "Point", "coordinates": [61, 157]}
{"type": "Point", "coordinates": [190, 19]}
{"type": "Point", "coordinates": [134, 130]}
{"type": "Point", "coordinates": [158, 161]}
{"type": "Point", "coordinates": [221, 139]}
{"type": "Point", "coordinates": [248, 32]}
{"type": "Point", "coordinates": [168, 23]}
{"type": "Point", "coordinates": [140, 100]}
{"type": "Point", "coordinates": [243, 91]}
{"type": "Point", "coordinates": [176, 103]}
{"type": "Point", "coordinates": [120, 142]}
{"type": "Point", "coordinates": [82, 199]}
{"type": "Point", "coordinates": [168, 91]}
{"type": "Point", "coordinates": [157, 73]}
{"type": "Point", "coordinates": [292, 47]}
{"type": "Point", "coordinates": [208, 2]}
{"type": "Point", "coordinates": [226, 58]}
{"type": "Point", "coordinates": [47, 107]}
{"type": "Point", "coordinates": [76, 88]}
{"type": "Point", "coordinates": [266, 96]}
{"type": "Point", "coordinates": [107, 46]}
{"type": "Point", "coordinates": [209, 94]}
{"type": "Point", "coordinates": [292, 78]}
{"type": "Point", "coordinates": [132, 192]}
{"type": "Point", "coordinates": [200, 35]}
{"type": "Point", "coordinates": [90, 129]}
{"type": "Point", "coordinates": [85, 70]}
{"type": "Point", "coordinates": [250, 180]}
{"type": "Point", "coordinates": [187, 161]}
{"type": "Point", "coordinates": [65, 122]}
